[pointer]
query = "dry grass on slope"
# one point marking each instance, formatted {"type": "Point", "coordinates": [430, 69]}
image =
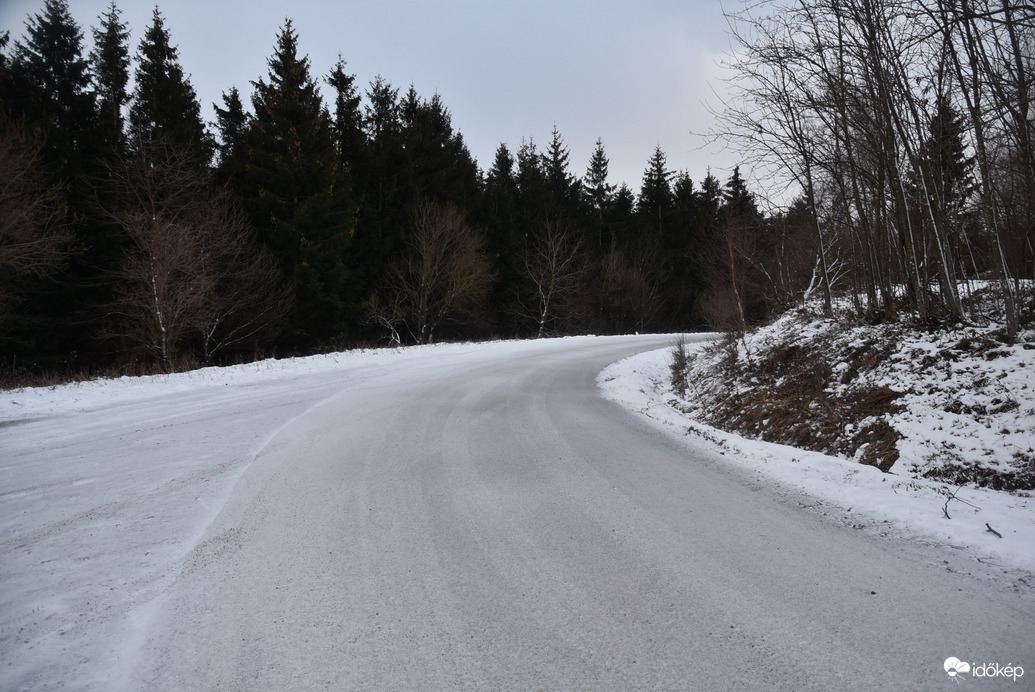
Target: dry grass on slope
{"type": "Point", "coordinates": [956, 404]}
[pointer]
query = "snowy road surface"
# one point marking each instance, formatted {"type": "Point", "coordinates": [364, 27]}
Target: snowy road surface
{"type": "Point", "coordinates": [453, 517]}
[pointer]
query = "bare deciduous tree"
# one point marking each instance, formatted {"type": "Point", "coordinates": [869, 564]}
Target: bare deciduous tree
{"type": "Point", "coordinates": [840, 96]}
{"type": "Point", "coordinates": [553, 265]}
{"type": "Point", "coordinates": [385, 313]}
{"type": "Point", "coordinates": [444, 277]}
{"type": "Point", "coordinates": [193, 274]}
{"type": "Point", "coordinates": [622, 290]}
{"type": "Point", "coordinates": [728, 276]}
{"type": "Point", "coordinates": [249, 299]}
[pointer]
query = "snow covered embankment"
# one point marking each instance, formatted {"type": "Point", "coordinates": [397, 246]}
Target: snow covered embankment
{"type": "Point", "coordinates": [996, 527]}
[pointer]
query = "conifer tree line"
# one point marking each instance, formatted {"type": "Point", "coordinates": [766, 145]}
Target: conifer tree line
{"type": "Point", "coordinates": [909, 126]}
{"type": "Point", "coordinates": [317, 213]}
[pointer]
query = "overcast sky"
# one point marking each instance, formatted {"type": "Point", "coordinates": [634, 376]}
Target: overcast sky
{"type": "Point", "coordinates": [635, 74]}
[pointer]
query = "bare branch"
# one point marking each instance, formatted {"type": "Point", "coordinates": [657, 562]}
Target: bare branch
{"type": "Point", "coordinates": [35, 243]}
{"type": "Point", "coordinates": [443, 278]}
{"type": "Point", "coordinates": [553, 263]}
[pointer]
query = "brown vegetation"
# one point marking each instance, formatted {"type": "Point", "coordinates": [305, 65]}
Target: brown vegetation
{"type": "Point", "coordinates": [790, 401]}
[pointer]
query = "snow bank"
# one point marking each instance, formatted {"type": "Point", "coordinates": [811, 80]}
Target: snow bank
{"type": "Point", "coordinates": [901, 502]}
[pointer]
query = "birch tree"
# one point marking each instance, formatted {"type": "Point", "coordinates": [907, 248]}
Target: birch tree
{"type": "Point", "coordinates": [553, 265]}
{"type": "Point", "coordinates": [193, 276]}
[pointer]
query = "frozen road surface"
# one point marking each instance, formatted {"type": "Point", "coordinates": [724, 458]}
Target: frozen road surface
{"type": "Point", "coordinates": [473, 517]}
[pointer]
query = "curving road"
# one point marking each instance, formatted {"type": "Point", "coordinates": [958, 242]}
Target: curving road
{"type": "Point", "coordinates": [493, 523]}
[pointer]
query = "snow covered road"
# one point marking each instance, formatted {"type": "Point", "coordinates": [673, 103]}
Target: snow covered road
{"type": "Point", "coordinates": [470, 516]}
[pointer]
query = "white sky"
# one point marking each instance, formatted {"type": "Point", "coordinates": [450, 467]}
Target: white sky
{"type": "Point", "coordinates": [637, 75]}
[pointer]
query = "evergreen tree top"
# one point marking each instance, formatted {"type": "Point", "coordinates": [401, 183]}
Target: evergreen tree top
{"type": "Point", "coordinates": [381, 114]}
{"type": "Point", "coordinates": [597, 170]}
{"type": "Point", "coordinates": [287, 71]}
{"type": "Point", "coordinates": [563, 186]}
{"type": "Point", "coordinates": [624, 201]}
{"type": "Point", "coordinates": [53, 91]}
{"type": "Point", "coordinates": [657, 172]}
{"type": "Point", "coordinates": [111, 53]}
{"type": "Point", "coordinates": [165, 104]}
{"type": "Point", "coordinates": [944, 152]}
{"type": "Point", "coordinates": [598, 191]}
{"type": "Point", "coordinates": [737, 200]}
{"type": "Point", "coordinates": [290, 83]}
{"type": "Point", "coordinates": [347, 99]}
{"type": "Point", "coordinates": [736, 188]}
{"type": "Point", "coordinates": [555, 160]}
{"type": "Point", "coordinates": [530, 173]}
{"type": "Point", "coordinates": [110, 59]}
{"type": "Point", "coordinates": [683, 187]}
{"type": "Point", "coordinates": [656, 190]}
{"type": "Point", "coordinates": [231, 122]}
{"type": "Point", "coordinates": [52, 54]}
{"type": "Point", "coordinates": [502, 170]}
{"type": "Point", "coordinates": [710, 187]}
{"type": "Point", "coordinates": [348, 118]}
{"type": "Point", "coordinates": [528, 158]}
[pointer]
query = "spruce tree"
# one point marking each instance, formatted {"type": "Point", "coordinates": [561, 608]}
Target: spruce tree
{"type": "Point", "coordinates": [295, 196]}
{"type": "Point", "coordinates": [684, 196]}
{"type": "Point", "coordinates": [709, 205]}
{"type": "Point", "coordinates": [48, 92]}
{"type": "Point", "coordinates": [561, 186]}
{"type": "Point", "coordinates": [682, 247]}
{"type": "Point", "coordinates": [381, 123]}
{"type": "Point", "coordinates": [531, 184]}
{"type": "Point", "coordinates": [381, 114]}
{"type": "Point", "coordinates": [685, 217]}
{"type": "Point", "coordinates": [110, 63]}
{"type": "Point", "coordinates": [435, 161]}
{"type": "Point", "coordinates": [656, 201]}
{"type": "Point", "coordinates": [945, 176]}
{"type": "Point", "coordinates": [944, 153]}
{"type": "Point", "coordinates": [348, 118]}
{"type": "Point", "coordinates": [738, 202]}
{"type": "Point", "coordinates": [409, 108]}
{"type": "Point", "coordinates": [51, 65]}
{"type": "Point", "coordinates": [504, 234]}
{"type": "Point", "coordinates": [231, 121]}
{"type": "Point", "coordinates": [382, 216]}
{"type": "Point", "coordinates": [598, 192]}
{"type": "Point", "coordinates": [500, 184]}
{"type": "Point", "coordinates": [623, 215]}
{"type": "Point", "coordinates": [165, 107]}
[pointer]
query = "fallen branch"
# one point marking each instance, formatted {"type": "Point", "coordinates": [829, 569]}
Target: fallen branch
{"type": "Point", "coordinates": [993, 530]}
{"type": "Point", "coordinates": [952, 496]}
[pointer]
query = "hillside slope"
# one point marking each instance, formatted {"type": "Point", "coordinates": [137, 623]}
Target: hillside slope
{"type": "Point", "coordinates": [955, 405]}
